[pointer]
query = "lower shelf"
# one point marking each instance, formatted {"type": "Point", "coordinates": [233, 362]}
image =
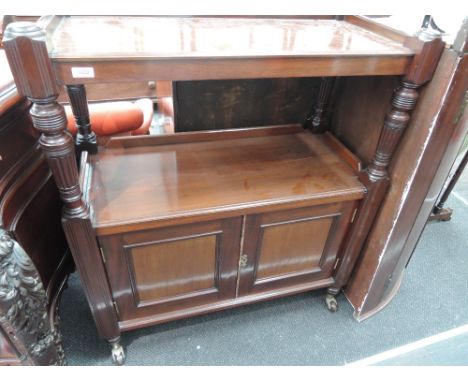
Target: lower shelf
{"type": "Point", "coordinates": [152, 181]}
{"type": "Point", "coordinates": [200, 222]}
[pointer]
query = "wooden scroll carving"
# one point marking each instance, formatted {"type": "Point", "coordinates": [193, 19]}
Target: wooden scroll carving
{"type": "Point", "coordinates": [23, 307]}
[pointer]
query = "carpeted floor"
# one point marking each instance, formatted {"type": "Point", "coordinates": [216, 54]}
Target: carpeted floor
{"type": "Point", "coordinates": [297, 330]}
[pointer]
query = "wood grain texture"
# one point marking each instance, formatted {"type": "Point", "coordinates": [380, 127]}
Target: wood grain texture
{"type": "Point", "coordinates": [201, 267]}
{"type": "Point", "coordinates": [338, 147]}
{"type": "Point", "coordinates": [359, 111]}
{"type": "Point", "coordinates": [379, 28]}
{"type": "Point", "coordinates": [194, 179]}
{"type": "Point", "coordinates": [228, 104]}
{"type": "Point", "coordinates": [122, 49]}
{"type": "Point", "coordinates": [173, 267]}
{"type": "Point", "coordinates": [292, 247]}
{"type": "Point", "coordinates": [200, 136]}
{"type": "Point", "coordinates": [230, 68]}
{"type": "Point", "coordinates": [435, 134]}
{"type": "Point", "coordinates": [197, 37]}
{"type": "Point", "coordinates": [286, 247]}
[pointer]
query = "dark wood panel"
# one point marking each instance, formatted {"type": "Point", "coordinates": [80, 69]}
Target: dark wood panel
{"type": "Point", "coordinates": [195, 264]}
{"type": "Point", "coordinates": [226, 69]}
{"type": "Point", "coordinates": [17, 138]}
{"type": "Point", "coordinates": [292, 247]}
{"type": "Point", "coordinates": [172, 267]}
{"type": "Point", "coordinates": [359, 112]}
{"type": "Point", "coordinates": [216, 105]}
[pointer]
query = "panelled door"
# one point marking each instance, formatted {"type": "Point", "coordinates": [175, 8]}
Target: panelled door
{"type": "Point", "coordinates": [291, 247]}
{"type": "Point", "coordinates": [173, 268]}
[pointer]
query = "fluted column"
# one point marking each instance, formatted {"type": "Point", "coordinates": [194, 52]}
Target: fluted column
{"type": "Point", "coordinates": [26, 51]}
{"type": "Point", "coordinates": [428, 47]}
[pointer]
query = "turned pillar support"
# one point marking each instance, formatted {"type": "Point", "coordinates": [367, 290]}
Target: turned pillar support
{"type": "Point", "coordinates": [317, 120]}
{"type": "Point", "coordinates": [428, 47]}
{"type": "Point", "coordinates": [397, 119]}
{"type": "Point", "coordinates": [85, 137]}
{"type": "Point", "coordinates": [26, 51]}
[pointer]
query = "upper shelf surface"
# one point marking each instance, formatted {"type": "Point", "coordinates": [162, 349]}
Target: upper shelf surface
{"type": "Point", "coordinates": [110, 37]}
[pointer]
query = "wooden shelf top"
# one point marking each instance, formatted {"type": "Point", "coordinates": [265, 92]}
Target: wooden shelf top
{"type": "Point", "coordinates": [198, 41]}
{"type": "Point", "coordinates": [150, 183]}
{"type": "Point", "coordinates": [109, 37]}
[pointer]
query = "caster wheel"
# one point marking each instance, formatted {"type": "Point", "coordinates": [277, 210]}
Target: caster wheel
{"type": "Point", "coordinates": [332, 304]}
{"type": "Point", "coordinates": [118, 354]}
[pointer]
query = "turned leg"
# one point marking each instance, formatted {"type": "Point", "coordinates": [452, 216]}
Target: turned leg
{"type": "Point", "coordinates": [117, 351]}
{"type": "Point", "coordinates": [330, 299]}
{"type": "Point", "coordinates": [85, 137]}
{"type": "Point", "coordinates": [317, 120]}
{"type": "Point", "coordinates": [26, 51]}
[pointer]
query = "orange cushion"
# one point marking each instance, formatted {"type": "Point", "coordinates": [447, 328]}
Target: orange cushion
{"type": "Point", "coordinates": [110, 118]}
{"type": "Point", "coordinates": [146, 106]}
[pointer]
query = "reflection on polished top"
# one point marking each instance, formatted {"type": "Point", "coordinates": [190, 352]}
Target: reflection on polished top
{"type": "Point", "coordinates": [163, 181]}
{"type": "Point", "coordinates": [175, 37]}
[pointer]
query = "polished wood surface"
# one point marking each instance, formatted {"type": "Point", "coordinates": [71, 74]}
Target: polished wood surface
{"type": "Point", "coordinates": [103, 37]}
{"type": "Point", "coordinates": [204, 48]}
{"type": "Point", "coordinates": [137, 193]}
{"type": "Point", "coordinates": [172, 268]}
{"type": "Point", "coordinates": [226, 68]}
{"type": "Point", "coordinates": [292, 238]}
{"type": "Point", "coordinates": [30, 212]}
{"type": "Point", "coordinates": [8, 93]}
{"type": "Point", "coordinates": [292, 247]}
{"type": "Point", "coordinates": [157, 275]}
{"type": "Point", "coordinates": [228, 175]}
{"type": "Point", "coordinates": [359, 111]}
{"type": "Point", "coordinates": [435, 135]}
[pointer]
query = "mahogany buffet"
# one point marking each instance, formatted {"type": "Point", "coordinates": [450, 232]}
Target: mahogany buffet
{"type": "Point", "coordinates": [167, 227]}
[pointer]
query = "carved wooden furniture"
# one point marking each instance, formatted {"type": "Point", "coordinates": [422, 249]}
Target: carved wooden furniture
{"type": "Point", "coordinates": [418, 172]}
{"type": "Point", "coordinates": [173, 226]}
{"type": "Point", "coordinates": [33, 251]}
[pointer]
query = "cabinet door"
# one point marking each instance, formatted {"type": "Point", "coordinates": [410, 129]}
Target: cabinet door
{"type": "Point", "coordinates": [293, 247]}
{"type": "Point", "coordinates": [174, 268]}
